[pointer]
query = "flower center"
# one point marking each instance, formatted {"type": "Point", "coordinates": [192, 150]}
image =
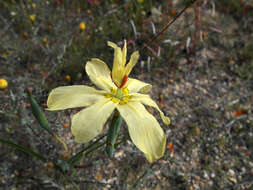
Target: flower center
{"type": "Point", "coordinates": [119, 95]}
{"type": "Point", "coordinates": [124, 81]}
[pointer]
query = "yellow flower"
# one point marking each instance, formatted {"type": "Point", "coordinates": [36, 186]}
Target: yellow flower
{"type": "Point", "coordinates": [68, 78]}
{"type": "Point", "coordinates": [82, 26]}
{"type": "Point", "coordinates": [4, 56]}
{"type": "Point", "coordinates": [44, 41]}
{"type": "Point", "coordinates": [3, 84]}
{"type": "Point", "coordinates": [127, 95]}
{"type": "Point", "coordinates": [32, 18]}
{"type": "Point", "coordinates": [33, 5]}
{"type": "Point", "coordinates": [140, 1]}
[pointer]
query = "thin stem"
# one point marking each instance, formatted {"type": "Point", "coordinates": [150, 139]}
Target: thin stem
{"type": "Point", "coordinates": [24, 149]}
{"type": "Point", "coordinates": [81, 153]}
{"type": "Point", "coordinates": [61, 141]}
{"type": "Point", "coordinates": [169, 24]}
{"type": "Point", "coordinates": [113, 133]}
{"type": "Point", "coordinates": [30, 152]}
{"type": "Point", "coordinates": [94, 148]}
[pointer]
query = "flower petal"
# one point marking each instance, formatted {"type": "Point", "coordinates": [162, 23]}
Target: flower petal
{"type": "Point", "coordinates": [118, 69]}
{"type": "Point", "coordinates": [73, 96]}
{"type": "Point", "coordinates": [133, 60]}
{"type": "Point", "coordinates": [99, 74]}
{"type": "Point", "coordinates": [124, 53]}
{"type": "Point", "coordinates": [144, 130]}
{"type": "Point", "coordinates": [145, 99]}
{"type": "Point", "coordinates": [135, 85]}
{"type": "Point", "coordinates": [89, 122]}
{"type": "Point", "coordinates": [117, 54]}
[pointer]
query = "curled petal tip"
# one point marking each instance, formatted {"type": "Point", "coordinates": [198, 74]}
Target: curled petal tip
{"type": "Point", "coordinates": [111, 44]}
{"type": "Point", "coordinates": [166, 120]}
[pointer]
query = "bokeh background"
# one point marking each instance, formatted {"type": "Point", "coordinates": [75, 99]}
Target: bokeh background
{"type": "Point", "coordinates": [201, 69]}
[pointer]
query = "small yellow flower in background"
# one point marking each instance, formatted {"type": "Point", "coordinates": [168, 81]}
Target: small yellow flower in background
{"type": "Point", "coordinates": [82, 26]}
{"type": "Point", "coordinates": [4, 55]}
{"type": "Point", "coordinates": [67, 78]}
{"type": "Point", "coordinates": [140, 1]}
{"type": "Point", "coordinates": [118, 91]}
{"type": "Point", "coordinates": [33, 5]}
{"type": "Point", "coordinates": [44, 41]}
{"type": "Point", "coordinates": [50, 26]}
{"type": "Point", "coordinates": [32, 18]}
{"type": "Point", "coordinates": [3, 84]}
{"type": "Point", "coordinates": [8, 52]}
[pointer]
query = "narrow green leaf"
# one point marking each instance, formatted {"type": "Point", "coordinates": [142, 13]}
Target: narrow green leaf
{"type": "Point", "coordinates": [33, 154]}
{"type": "Point", "coordinates": [37, 112]}
{"type": "Point", "coordinates": [24, 149]}
{"type": "Point", "coordinates": [113, 134]}
{"type": "Point", "coordinates": [41, 118]}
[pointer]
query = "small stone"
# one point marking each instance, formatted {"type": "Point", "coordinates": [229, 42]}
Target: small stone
{"type": "Point", "coordinates": [212, 175]}
{"type": "Point", "coordinates": [231, 172]}
{"type": "Point", "coordinates": [206, 176]}
{"type": "Point", "coordinates": [233, 179]}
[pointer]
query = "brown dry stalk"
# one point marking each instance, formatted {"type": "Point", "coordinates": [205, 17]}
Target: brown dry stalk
{"type": "Point", "coordinates": [169, 24]}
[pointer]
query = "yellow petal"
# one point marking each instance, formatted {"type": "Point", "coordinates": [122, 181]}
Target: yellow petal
{"type": "Point", "coordinates": [135, 85]}
{"type": "Point", "coordinates": [73, 96]}
{"type": "Point", "coordinates": [133, 60]}
{"type": "Point", "coordinates": [144, 130]}
{"type": "Point", "coordinates": [89, 122]}
{"type": "Point", "coordinates": [117, 54]}
{"type": "Point", "coordinates": [118, 70]}
{"type": "Point", "coordinates": [124, 53]}
{"type": "Point", "coordinates": [111, 44]}
{"type": "Point", "coordinates": [99, 74]}
{"type": "Point", "coordinates": [145, 99]}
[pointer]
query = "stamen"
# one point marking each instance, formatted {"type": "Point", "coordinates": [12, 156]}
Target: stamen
{"type": "Point", "coordinates": [107, 95]}
{"type": "Point", "coordinates": [122, 102]}
{"type": "Point", "coordinates": [124, 81]}
{"type": "Point", "coordinates": [114, 100]}
{"type": "Point", "coordinates": [125, 91]}
{"type": "Point", "coordinates": [113, 90]}
{"type": "Point", "coordinates": [119, 95]}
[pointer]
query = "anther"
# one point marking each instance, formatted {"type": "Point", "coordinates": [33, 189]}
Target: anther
{"type": "Point", "coordinates": [124, 81]}
{"type": "Point", "coordinates": [115, 100]}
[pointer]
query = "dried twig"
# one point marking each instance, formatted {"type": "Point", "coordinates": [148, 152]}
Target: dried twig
{"type": "Point", "coordinates": [170, 23]}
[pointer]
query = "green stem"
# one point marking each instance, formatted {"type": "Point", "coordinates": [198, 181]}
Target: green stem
{"type": "Point", "coordinates": [24, 149]}
{"type": "Point", "coordinates": [94, 148]}
{"type": "Point", "coordinates": [78, 156]}
{"type": "Point", "coordinates": [29, 152]}
{"type": "Point", "coordinates": [113, 133]}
